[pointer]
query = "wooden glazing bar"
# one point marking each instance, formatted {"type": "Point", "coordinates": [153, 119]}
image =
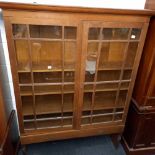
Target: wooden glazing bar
{"type": "Point", "coordinates": [32, 78]}
{"type": "Point", "coordinates": [91, 41]}
{"type": "Point", "coordinates": [45, 39]}
{"type": "Point", "coordinates": [96, 71]}
{"type": "Point", "coordinates": [63, 66]}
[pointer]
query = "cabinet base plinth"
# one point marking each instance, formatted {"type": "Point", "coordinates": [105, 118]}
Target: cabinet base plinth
{"type": "Point", "coordinates": [49, 136]}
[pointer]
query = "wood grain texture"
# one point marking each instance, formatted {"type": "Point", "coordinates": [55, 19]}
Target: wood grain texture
{"type": "Point", "coordinates": [150, 4]}
{"type": "Point", "coordinates": [145, 82]}
{"type": "Point", "coordinates": [83, 22]}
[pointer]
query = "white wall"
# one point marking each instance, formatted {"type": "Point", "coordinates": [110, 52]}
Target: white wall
{"type": "Point", "coordinates": [124, 4]}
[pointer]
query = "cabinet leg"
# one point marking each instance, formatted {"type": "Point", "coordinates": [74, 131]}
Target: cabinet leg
{"type": "Point", "coordinates": [116, 140]}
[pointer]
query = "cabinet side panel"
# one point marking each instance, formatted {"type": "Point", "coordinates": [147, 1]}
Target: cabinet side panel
{"type": "Point", "coordinates": [141, 84]}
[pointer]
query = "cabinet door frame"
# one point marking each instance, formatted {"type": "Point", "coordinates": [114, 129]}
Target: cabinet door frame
{"type": "Point", "coordinates": [102, 24]}
{"type": "Point", "coordinates": [13, 61]}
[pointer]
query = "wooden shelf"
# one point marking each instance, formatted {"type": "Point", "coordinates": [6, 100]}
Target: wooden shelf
{"type": "Point", "coordinates": [104, 90]}
{"type": "Point", "coordinates": [90, 41]}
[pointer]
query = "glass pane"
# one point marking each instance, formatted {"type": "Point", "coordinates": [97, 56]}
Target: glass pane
{"type": "Point", "coordinates": [22, 51]}
{"type": "Point", "coordinates": [106, 86]}
{"type": "Point", "coordinates": [70, 32]}
{"type": "Point", "coordinates": [127, 74]}
{"type": "Point", "coordinates": [87, 101]}
{"type": "Point", "coordinates": [67, 122]}
{"type": "Point", "coordinates": [118, 117]}
{"type": "Point", "coordinates": [48, 123]}
{"type": "Point", "coordinates": [24, 78]}
{"type": "Point", "coordinates": [46, 55]}
{"type": "Point", "coordinates": [19, 31]}
{"type": "Point", "coordinates": [25, 90]}
{"type": "Point", "coordinates": [70, 54]}
{"type": "Point", "coordinates": [68, 102]}
{"type": "Point", "coordinates": [105, 112]}
{"type": "Point", "coordinates": [135, 34]}
{"type": "Point", "coordinates": [41, 31]}
{"type": "Point", "coordinates": [88, 88]}
{"type": "Point", "coordinates": [47, 104]}
{"type": "Point", "coordinates": [122, 97]}
{"type": "Point", "coordinates": [47, 89]}
{"type": "Point", "coordinates": [112, 55]}
{"type": "Point", "coordinates": [85, 120]}
{"type": "Point", "coordinates": [131, 53]}
{"type": "Point", "coordinates": [125, 85]}
{"type": "Point", "coordinates": [94, 34]}
{"type": "Point", "coordinates": [47, 77]}
{"type": "Point", "coordinates": [115, 33]}
{"type": "Point", "coordinates": [69, 76]}
{"type": "Point", "coordinates": [109, 75]}
{"type": "Point", "coordinates": [104, 99]}
{"type": "Point", "coordinates": [29, 125]}
{"type": "Point", "coordinates": [27, 105]}
{"type": "Point", "coordinates": [68, 88]}
{"type": "Point", "coordinates": [100, 119]}
{"type": "Point", "coordinates": [91, 61]}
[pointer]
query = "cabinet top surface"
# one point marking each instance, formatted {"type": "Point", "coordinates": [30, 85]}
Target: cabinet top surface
{"type": "Point", "coordinates": [37, 7]}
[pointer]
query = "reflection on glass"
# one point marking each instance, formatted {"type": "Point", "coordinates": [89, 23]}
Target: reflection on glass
{"type": "Point", "coordinates": [91, 62]}
{"type": "Point", "coordinates": [19, 31]}
{"type": "Point", "coordinates": [46, 55]}
{"type": "Point", "coordinates": [69, 76]}
{"type": "Point", "coordinates": [45, 31]}
{"type": "Point", "coordinates": [115, 33]}
{"type": "Point", "coordinates": [70, 32]}
{"type": "Point", "coordinates": [94, 34]}
{"type": "Point", "coordinates": [22, 51]}
{"type": "Point", "coordinates": [135, 34]}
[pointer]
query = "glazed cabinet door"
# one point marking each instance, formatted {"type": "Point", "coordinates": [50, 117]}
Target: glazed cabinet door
{"type": "Point", "coordinates": [110, 52]}
{"type": "Point", "coordinates": [46, 56]}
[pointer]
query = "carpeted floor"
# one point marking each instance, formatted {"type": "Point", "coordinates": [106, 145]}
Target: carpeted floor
{"type": "Point", "coordinates": [99, 145]}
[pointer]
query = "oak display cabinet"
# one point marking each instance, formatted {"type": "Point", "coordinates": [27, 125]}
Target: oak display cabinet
{"type": "Point", "coordinates": [73, 72]}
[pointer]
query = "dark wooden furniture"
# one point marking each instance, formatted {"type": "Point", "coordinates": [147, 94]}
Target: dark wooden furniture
{"type": "Point", "coordinates": [7, 144]}
{"type": "Point", "coordinates": [139, 135]}
{"type": "Point", "coordinates": [150, 4]}
{"type": "Point", "coordinates": [73, 68]}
